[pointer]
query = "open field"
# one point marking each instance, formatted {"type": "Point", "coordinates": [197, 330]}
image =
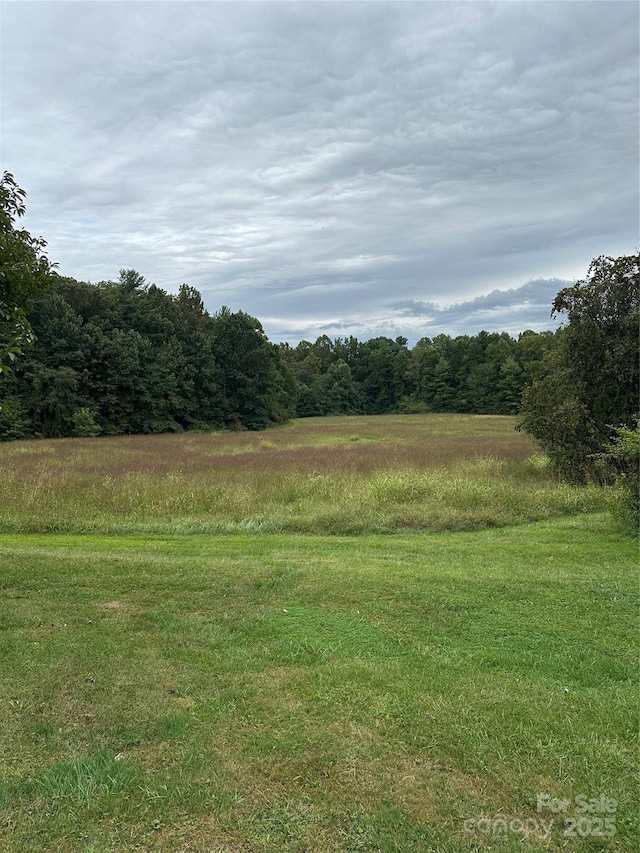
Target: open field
{"type": "Point", "coordinates": [408, 688]}
{"type": "Point", "coordinates": [314, 693]}
{"type": "Point", "coordinates": [319, 475]}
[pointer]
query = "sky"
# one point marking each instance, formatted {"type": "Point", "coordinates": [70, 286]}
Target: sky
{"type": "Point", "coordinates": [340, 168]}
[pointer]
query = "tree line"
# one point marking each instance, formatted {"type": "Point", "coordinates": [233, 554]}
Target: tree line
{"type": "Point", "coordinates": [124, 356]}
{"type": "Point", "coordinates": [482, 374]}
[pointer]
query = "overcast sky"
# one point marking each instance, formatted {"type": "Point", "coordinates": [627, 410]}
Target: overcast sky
{"type": "Point", "coordinates": [365, 168]}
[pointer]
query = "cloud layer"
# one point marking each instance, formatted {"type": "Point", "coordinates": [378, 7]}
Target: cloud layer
{"type": "Point", "coordinates": [352, 168]}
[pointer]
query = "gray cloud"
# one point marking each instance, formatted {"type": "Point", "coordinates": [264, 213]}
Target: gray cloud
{"type": "Point", "coordinates": [330, 166]}
{"type": "Point", "coordinates": [512, 311]}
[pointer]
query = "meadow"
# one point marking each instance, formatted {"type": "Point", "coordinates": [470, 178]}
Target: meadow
{"type": "Point", "coordinates": [407, 636]}
{"type": "Point", "coordinates": [336, 475]}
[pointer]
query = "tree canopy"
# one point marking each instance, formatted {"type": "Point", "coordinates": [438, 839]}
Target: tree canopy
{"type": "Point", "coordinates": [479, 374]}
{"type": "Point", "coordinates": [590, 383]}
{"type": "Point", "coordinates": [24, 269]}
{"type": "Point", "coordinates": [124, 356]}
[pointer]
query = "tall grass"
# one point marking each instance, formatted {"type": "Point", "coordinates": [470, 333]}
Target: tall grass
{"type": "Point", "coordinates": [334, 475]}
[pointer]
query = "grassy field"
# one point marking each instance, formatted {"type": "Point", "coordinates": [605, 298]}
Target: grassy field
{"type": "Point", "coordinates": [318, 475]}
{"type": "Point", "coordinates": [388, 691]}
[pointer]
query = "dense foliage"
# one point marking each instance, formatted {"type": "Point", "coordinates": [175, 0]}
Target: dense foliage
{"type": "Point", "coordinates": [589, 387]}
{"type": "Point", "coordinates": [622, 456]}
{"type": "Point", "coordinates": [482, 374]}
{"type": "Point", "coordinates": [24, 269]}
{"type": "Point", "coordinates": [126, 357]}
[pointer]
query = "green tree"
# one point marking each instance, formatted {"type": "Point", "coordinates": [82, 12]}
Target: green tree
{"type": "Point", "coordinates": [441, 389]}
{"type": "Point", "coordinates": [53, 399]}
{"type": "Point", "coordinates": [590, 386]}
{"type": "Point", "coordinates": [381, 370]}
{"type": "Point", "coordinates": [337, 391]}
{"type": "Point", "coordinates": [24, 270]}
{"type": "Point", "coordinates": [509, 386]}
{"type": "Point", "coordinates": [420, 371]}
{"type": "Point", "coordinates": [530, 352]}
{"type": "Point", "coordinates": [257, 388]}
{"type": "Point", "coordinates": [84, 423]}
{"type": "Point", "coordinates": [131, 280]}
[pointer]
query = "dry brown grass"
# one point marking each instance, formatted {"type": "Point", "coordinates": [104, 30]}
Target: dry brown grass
{"type": "Point", "coordinates": [317, 445]}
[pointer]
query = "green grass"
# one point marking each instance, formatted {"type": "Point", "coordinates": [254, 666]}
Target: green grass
{"type": "Point", "coordinates": [320, 475]}
{"type": "Point", "coordinates": [316, 693]}
{"type": "Point", "coordinates": [290, 686]}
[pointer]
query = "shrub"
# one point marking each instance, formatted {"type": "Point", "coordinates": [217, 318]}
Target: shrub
{"type": "Point", "coordinates": [84, 423]}
{"type": "Point", "coordinates": [623, 457]}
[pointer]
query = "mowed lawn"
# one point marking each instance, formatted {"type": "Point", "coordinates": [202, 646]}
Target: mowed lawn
{"type": "Point", "coordinates": [287, 691]}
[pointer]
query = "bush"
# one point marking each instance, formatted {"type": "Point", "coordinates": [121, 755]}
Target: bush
{"type": "Point", "coordinates": [622, 456]}
{"type": "Point", "coordinates": [84, 423]}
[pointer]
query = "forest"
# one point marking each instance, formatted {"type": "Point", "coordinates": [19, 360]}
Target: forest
{"type": "Point", "coordinates": [126, 357]}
